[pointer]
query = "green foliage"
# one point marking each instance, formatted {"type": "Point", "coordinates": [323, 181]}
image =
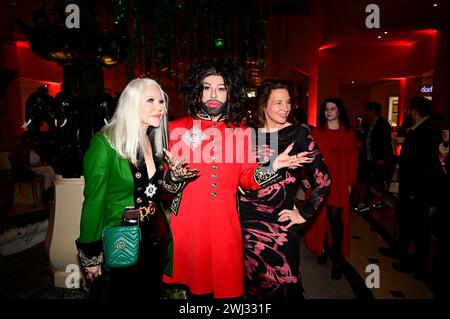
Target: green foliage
{"type": "Point", "coordinates": [165, 33]}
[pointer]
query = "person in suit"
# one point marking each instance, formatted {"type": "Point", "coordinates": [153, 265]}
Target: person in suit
{"type": "Point", "coordinates": [418, 159]}
{"type": "Point", "coordinates": [376, 159]}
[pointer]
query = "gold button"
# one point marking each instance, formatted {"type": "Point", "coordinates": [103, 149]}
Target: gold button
{"type": "Point", "coordinates": [214, 158]}
{"type": "Point", "coordinates": [138, 175]}
{"type": "Point", "coordinates": [214, 167]}
{"type": "Point", "coordinates": [214, 176]}
{"type": "Point", "coordinates": [214, 140]}
{"type": "Point", "coordinates": [213, 194]}
{"type": "Point", "coordinates": [159, 181]}
{"type": "Point", "coordinates": [214, 185]}
{"type": "Point", "coordinates": [214, 148]}
{"type": "Point", "coordinates": [138, 200]}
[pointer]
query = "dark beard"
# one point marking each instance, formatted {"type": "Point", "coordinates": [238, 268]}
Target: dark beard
{"type": "Point", "coordinates": [213, 112]}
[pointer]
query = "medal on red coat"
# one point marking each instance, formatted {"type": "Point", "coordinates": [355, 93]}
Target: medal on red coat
{"type": "Point", "coordinates": [193, 137]}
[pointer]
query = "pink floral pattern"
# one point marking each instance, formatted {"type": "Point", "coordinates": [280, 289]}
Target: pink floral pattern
{"type": "Point", "coordinates": [269, 193]}
{"type": "Point", "coordinates": [268, 241]}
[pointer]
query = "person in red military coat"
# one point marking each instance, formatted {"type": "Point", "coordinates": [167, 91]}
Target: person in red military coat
{"type": "Point", "coordinates": [210, 156]}
{"type": "Point", "coordinates": [337, 143]}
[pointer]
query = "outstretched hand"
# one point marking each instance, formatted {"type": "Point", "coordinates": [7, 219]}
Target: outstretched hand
{"type": "Point", "coordinates": [291, 215]}
{"type": "Point", "coordinates": [291, 161]}
{"type": "Point", "coordinates": [179, 170]}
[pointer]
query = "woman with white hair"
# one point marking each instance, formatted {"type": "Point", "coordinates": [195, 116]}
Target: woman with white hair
{"type": "Point", "coordinates": [123, 168]}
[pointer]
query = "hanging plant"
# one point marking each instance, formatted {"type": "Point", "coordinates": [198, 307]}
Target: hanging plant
{"type": "Point", "coordinates": [167, 32]}
{"type": "Point", "coordinates": [165, 11]}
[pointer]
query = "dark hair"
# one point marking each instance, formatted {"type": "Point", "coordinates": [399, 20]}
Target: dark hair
{"type": "Point", "coordinates": [343, 117]}
{"type": "Point", "coordinates": [373, 106]}
{"type": "Point", "coordinates": [264, 92]}
{"type": "Point", "coordinates": [421, 104]}
{"type": "Point", "coordinates": [233, 76]}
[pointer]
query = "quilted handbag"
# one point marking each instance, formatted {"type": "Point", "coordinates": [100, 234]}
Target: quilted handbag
{"type": "Point", "coordinates": [121, 246]}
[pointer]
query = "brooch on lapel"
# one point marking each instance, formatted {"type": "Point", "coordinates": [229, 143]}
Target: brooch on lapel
{"type": "Point", "coordinates": [150, 191]}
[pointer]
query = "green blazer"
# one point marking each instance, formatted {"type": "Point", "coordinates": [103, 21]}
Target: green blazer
{"type": "Point", "coordinates": [109, 188]}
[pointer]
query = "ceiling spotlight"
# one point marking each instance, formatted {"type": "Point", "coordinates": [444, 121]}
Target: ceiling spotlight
{"type": "Point", "coordinates": [379, 37]}
{"type": "Point", "coordinates": [353, 82]}
{"type": "Point", "coordinates": [435, 5]}
{"type": "Point", "coordinates": [385, 32]}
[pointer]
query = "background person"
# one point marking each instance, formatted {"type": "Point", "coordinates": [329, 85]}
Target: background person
{"type": "Point", "coordinates": [418, 159]}
{"type": "Point", "coordinates": [377, 158]}
{"type": "Point", "coordinates": [331, 227]}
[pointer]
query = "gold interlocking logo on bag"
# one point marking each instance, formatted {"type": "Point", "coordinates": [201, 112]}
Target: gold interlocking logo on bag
{"type": "Point", "coordinates": [121, 246]}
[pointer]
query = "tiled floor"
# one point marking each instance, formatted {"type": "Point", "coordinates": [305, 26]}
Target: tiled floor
{"type": "Point", "coordinates": [317, 280]}
{"type": "Point", "coordinates": [27, 274]}
{"type": "Point", "coordinates": [366, 240]}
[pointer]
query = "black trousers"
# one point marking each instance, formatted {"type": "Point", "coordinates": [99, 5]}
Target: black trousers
{"type": "Point", "coordinates": [334, 215]}
{"type": "Point", "coordinates": [413, 224]}
{"type": "Point", "coordinates": [372, 175]}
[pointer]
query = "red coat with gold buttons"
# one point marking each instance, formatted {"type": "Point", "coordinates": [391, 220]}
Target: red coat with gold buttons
{"type": "Point", "coordinates": [208, 251]}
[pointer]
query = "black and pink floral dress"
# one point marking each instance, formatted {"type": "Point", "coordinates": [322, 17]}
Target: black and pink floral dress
{"type": "Point", "coordinates": [271, 250]}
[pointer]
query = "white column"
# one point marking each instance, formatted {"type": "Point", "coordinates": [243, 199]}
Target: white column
{"type": "Point", "coordinates": [64, 229]}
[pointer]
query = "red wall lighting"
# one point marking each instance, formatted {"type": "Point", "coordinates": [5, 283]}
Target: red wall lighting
{"type": "Point", "coordinates": [23, 44]}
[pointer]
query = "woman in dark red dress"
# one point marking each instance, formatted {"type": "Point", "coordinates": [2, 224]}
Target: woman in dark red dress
{"type": "Point", "coordinates": [337, 143]}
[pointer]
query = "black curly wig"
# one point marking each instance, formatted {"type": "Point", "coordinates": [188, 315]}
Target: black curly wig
{"type": "Point", "coordinates": [233, 76]}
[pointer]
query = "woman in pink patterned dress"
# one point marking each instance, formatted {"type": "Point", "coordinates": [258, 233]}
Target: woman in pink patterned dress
{"type": "Point", "coordinates": [270, 221]}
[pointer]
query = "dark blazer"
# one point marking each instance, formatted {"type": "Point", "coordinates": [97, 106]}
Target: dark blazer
{"type": "Point", "coordinates": [381, 141]}
{"type": "Point", "coordinates": [418, 159]}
